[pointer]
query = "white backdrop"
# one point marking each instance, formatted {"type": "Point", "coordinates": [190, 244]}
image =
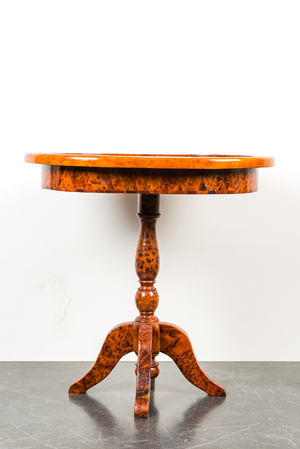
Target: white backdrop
{"type": "Point", "coordinates": [150, 77]}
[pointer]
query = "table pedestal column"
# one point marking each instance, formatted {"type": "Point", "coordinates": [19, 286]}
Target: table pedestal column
{"type": "Point", "coordinates": [146, 336]}
{"type": "Point", "coordinates": [146, 332]}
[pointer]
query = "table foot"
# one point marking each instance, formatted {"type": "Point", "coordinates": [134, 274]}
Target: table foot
{"type": "Point", "coordinates": [141, 406]}
{"type": "Point", "coordinates": [154, 368]}
{"type": "Point", "coordinates": [118, 342]}
{"type": "Point", "coordinates": [176, 344]}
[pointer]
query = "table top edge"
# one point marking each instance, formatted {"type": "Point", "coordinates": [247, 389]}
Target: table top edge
{"type": "Point", "coordinates": [150, 161]}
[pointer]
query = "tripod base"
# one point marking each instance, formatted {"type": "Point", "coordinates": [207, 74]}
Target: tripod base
{"type": "Point", "coordinates": [173, 341]}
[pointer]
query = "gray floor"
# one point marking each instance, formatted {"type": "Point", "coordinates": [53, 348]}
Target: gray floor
{"type": "Point", "coordinates": [261, 410]}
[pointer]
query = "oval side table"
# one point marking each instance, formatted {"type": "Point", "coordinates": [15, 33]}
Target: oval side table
{"type": "Point", "coordinates": [148, 176]}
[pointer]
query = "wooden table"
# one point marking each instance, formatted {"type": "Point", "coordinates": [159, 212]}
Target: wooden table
{"type": "Point", "coordinates": [148, 176]}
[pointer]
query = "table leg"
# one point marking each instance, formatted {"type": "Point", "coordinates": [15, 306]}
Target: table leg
{"type": "Point", "coordinates": [141, 407]}
{"type": "Point", "coordinates": [176, 344]}
{"type": "Point", "coordinates": [118, 342]}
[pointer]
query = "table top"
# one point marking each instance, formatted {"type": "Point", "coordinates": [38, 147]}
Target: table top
{"type": "Point", "coordinates": [150, 161]}
{"type": "Point", "coordinates": [149, 173]}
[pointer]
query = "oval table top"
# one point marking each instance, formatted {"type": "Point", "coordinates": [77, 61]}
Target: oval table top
{"type": "Point", "coordinates": [164, 161]}
{"type": "Point", "coordinates": [146, 173]}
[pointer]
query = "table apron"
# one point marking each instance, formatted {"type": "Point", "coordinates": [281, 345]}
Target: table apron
{"type": "Point", "coordinates": [153, 181]}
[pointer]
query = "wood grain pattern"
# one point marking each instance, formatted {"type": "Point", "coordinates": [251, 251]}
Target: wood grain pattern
{"type": "Point", "coordinates": [118, 342]}
{"type": "Point", "coordinates": [147, 258]}
{"type": "Point", "coordinates": [147, 266]}
{"type": "Point", "coordinates": [176, 344]}
{"type": "Point", "coordinates": [141, 406]}
{"type": "Point", "coordinates": [185, 161]}
{"type": "Point", "coordinates": [149, 176]}
{"type": "Point", "coordinates": [151, 181]}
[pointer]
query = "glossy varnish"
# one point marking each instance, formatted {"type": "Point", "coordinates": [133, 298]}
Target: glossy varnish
{"type": "Point", "coordinates": [173, 161]}
{"type": "Point", "coordinates": [118, 342]}
{"type": "Point", "coordinates": [155, 174]}
{"type": "Point", "coordinates": [154, 181]}
{"type": "Point", "coordinates": [146, 336]}
{"type": "Point", "coordinates": [149, 176]}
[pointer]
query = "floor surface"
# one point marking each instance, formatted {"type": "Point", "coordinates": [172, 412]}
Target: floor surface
{"type": "Point", "coordinates": [261, 410]}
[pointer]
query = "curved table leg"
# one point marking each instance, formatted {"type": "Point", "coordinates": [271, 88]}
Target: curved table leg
{"type": "Point", "coordinates": [141, 406]}
{"type": "Point", "coordinates": [118, 342]}
{"type": "Point", "coordinates": [176, 344]}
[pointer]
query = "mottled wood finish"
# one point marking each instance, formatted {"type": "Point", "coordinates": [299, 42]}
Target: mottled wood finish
{"type": "Point", "coordinates": [147, 260]}
{"type": "Point", "coordinates": [147, 266]}
{"type": "Point", "coordinates": [146, 335]}
{"type": "Point", "coordinates": [141, 406]}
{"type": "Point", "coordinates": [186, 161]}
{"type": "Point", "coordinates": [176, 344]}
{"type": "Point", "coordinates": [150, 181]}
{"type": "Point", "coordinates": [149, 176]}
{"type": "Point", "coordinates": [118, 342]}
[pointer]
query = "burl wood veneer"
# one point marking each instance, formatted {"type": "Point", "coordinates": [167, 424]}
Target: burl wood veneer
{"type": "Point", "coordinates": [157, 174]}
{"type": "Point", "coordinates": [146, 336]}
{"type": "Point", "coordinates": [149, 176]}
{"type": "Point", "coordinates": [164, 161]}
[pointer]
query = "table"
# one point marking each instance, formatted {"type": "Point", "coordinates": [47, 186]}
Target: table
{"type": "Point", "coordinates": [149, 176]}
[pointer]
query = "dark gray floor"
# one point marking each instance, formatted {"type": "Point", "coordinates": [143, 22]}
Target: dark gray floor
{"type": "Point", "coordinates": [261, 410]}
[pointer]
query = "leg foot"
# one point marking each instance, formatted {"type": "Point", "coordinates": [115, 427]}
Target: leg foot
{"type": "Point", "coordinates": [176, 344]}
{"type": "Point", "coordinates": [118, 342]}
{"type": "Point", "coordinates": [141, 407]}
{"type": "Point", "coordinates": [154, 368]}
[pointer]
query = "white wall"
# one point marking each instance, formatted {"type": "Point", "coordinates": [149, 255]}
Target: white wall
{"type": "Point", "coordinates": [150, 77]}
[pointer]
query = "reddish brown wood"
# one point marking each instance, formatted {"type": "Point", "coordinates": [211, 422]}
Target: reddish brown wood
{"type": "Point", "coordinates": [147, 257]}
{"type": "Point", "coordinates": [149, 175]}
{"type": "Point", "coordinates": [147, 266]}
{"type": "Point", "coordinates": [146, 336]}
{"type": "Point", "coordinates": [151, 181]}
{"type": "Point", "coordinates": [141, 406]}
{"type": "Point", "coordinates": [118, 342]}
{"type": "Point", "coordinates": [186, 161]}
{"type": "Point", "coordinates": [156, 174]}
{"type": "Point", "coordinates": [155, 343]}
{"type": "Point", "coordinates": [176, 344]}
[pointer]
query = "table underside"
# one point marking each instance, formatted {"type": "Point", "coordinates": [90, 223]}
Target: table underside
{"type": "Point", "coordinates": [153, 181]}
